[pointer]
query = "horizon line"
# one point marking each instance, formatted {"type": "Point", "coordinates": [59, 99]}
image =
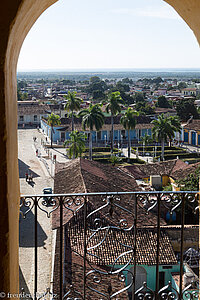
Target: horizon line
{"type": "Point", "coordinates": [108, 70]}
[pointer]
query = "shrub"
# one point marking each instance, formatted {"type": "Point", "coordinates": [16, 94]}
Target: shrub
{"type": "Point", "coordinates": [115, 160]}
{"type": "Point", "coordinates": [158, 148]}
{"type": "Point", "coordinates": [180, 156]}
{"type": "Point", "coordinates": [192, 160]}
{"type": "Point", "coordinates": [167, 188]}
{"type": "Point", "coordinates": [106, 160]}
{"type": "Point", "coordinates": [101, 149]}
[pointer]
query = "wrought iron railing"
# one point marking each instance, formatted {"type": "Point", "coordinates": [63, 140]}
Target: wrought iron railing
{"type": "Point", "coordinates": [99, 239]}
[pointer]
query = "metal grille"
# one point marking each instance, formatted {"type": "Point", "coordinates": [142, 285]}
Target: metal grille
{"type": "Point", "coordinates": [97, 222]}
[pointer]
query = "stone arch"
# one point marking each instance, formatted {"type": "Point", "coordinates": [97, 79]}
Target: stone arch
{"type": "Point", "coordinates": [16, 19]}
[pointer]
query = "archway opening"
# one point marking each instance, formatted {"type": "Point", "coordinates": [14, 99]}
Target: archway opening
{"type": "Point", "coordinates": [24, 18]}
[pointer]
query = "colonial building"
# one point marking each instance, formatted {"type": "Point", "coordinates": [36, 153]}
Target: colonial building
{"type": "Point", "coordinates": [31, 112]}
{"type": "Point", "coordinates": [61, 132]}
{"type": "Point", "coordinates": [190, 92]}
{"type": "Point", "coordinates": [191, 132]}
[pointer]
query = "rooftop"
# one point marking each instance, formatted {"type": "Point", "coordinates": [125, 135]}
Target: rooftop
{"type": "Point", "coordinates": [169, 168]}
{"type": "Point", "coordinates": [82, 175]}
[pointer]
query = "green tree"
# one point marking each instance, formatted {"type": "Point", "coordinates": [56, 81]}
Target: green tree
{"type": "Point", "coordinates": [21, 84]}
{"type": "Point", "coordinates": [19, 94]}
{"type": "Point", "coordinates": [92, 117]}
{"type": "Point", "coordinates": [138, 97]}
{"type": "Point", "coordinates": [98, 95]}
{"type": "Point", "coordinates": [52, 121]}
{"type": "Point", "coordinates": [24, 96]}
{"type": "Point", "coordinates": [164, 128]}
{"type": "Point", "coordinates": [144, 108]}
{"type": "Point", "coordinates": [73, 104]}
{"type": "Point", "coordinates": [163, 102]}
{"type": "Point", "coordinates": [128, 121]}
{"type": "Point", "coordinates": [186, 108]}
{"type": "Point", "coordinates": [182, 85]}
{"type": "Point", "coordinates": [127, 80]}
{"type": "Point", "coordinates": [96, 84]}
{"type": "Point", "coordinates": [68, 82]}
{"type": "Point", "coordinates": [157, 80]}
{"type": "Point", "coordinates": [122, 87]}
{"type": "Point", "coordinates": [76, 144]}
{"type": "Point", "coordinates": [113, 106]}
{"type": "Point", "coordinates": [95, 79]}
{"type": "Point", "coordinates": [190, 182]}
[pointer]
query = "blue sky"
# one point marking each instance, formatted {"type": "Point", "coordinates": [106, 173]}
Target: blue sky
{"type": "Point", "coordinates": [94, 34]}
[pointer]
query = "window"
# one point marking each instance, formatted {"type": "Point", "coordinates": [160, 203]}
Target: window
{"type": "Point", "coordinates": [21, 118]}
{"type": "Point", "coordinates": [62, 136]}
{"type": "Point", "coordinates": [98, 135]}
{"type": "Point", "coordinates": [123, 134]}
{"type": "Point", "coordinates": [35, 117]}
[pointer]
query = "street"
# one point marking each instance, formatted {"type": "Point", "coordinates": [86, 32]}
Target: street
{"type": "Point", "coordinates": [31, 164]}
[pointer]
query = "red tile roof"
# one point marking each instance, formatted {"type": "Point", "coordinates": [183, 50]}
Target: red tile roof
{"type": "Point", "coordinates": [106, 245]}
{"type": "Point", "coordinates": [193, 125]}
{"type": "Point", "coordinates": [183, 173]}
{"type": "Point", "coordinates": [159, 168]}
{"type": "Point", "coordinates": [81, 175]}
{"type": "Point", "coordinates": [73, 279]}
{"type": "Point", "coordinates": [116, 242]}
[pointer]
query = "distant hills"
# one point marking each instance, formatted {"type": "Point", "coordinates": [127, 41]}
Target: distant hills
{"type": "Point", "coordinates": [111, 74]}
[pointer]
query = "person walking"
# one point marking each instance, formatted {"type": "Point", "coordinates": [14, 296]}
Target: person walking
{"type": "Point", "coordinates": [31, 177]}
{"type": "Point", "coordinates": [26, 176]}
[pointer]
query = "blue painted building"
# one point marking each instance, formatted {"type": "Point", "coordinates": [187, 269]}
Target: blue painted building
{"type": "Point", "coordinates": [61, 132]}
{"type": "Point", "coordinates": [191, 133]}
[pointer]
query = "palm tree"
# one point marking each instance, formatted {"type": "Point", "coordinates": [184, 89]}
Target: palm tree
{"type": "Point", "coordinates": [113, 107]}
{"type": "Point", "coordinates": [52, 121]}
{"type": "Point", "coordinates": [146, 139]}
{"type": "Point", "coordinates": [77, 144]}
{"type": "Point", "coordinates": [92, 117]}
{"type": "Point", "coordinates": [175, 121]}
{"type": "Point", "coordinates": [164, 128]}
{"type": "Point", "coordinates": [73, 104]}
{"type": "Point", "coordinates": [128, 121]}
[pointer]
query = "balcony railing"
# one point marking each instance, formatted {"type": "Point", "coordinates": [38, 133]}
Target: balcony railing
{"type": "Point", "coordinates": [106, 232]}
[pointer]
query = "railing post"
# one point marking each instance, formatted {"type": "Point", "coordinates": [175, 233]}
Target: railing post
{"type": "Point", "coordinates": [36, 250]}
{"type": "Point", "coordinates": [182, 237]}
{"type": "Point", "coordinates": [158, 246]}
{"type": "Point", "coordinates": [61, 247]}
{"type": "Point", "coordinates": [135, 247]}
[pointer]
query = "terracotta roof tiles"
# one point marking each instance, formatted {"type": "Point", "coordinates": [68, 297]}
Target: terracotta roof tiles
{"type": "Point", "coordinates": [158, 168]}
{"type": "Point", "coordinates": [193, 125]}
{"type": "Point", "coordinates": [81, 175]}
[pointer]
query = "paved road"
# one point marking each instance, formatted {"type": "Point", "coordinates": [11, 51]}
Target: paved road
{"type": "Point", "coordinates": [29, 162]}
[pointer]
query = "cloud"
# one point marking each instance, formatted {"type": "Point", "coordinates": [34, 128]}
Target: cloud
{"type": "Point", "coordinates": [164, 12]}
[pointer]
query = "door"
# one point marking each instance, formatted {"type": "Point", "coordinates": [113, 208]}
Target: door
{"type": "Point", "coordinates": [194, 138]}
{"type": "Point", "coordinates": [185, 137]}
{"type": "Point", "coordinates": [62, 137]}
